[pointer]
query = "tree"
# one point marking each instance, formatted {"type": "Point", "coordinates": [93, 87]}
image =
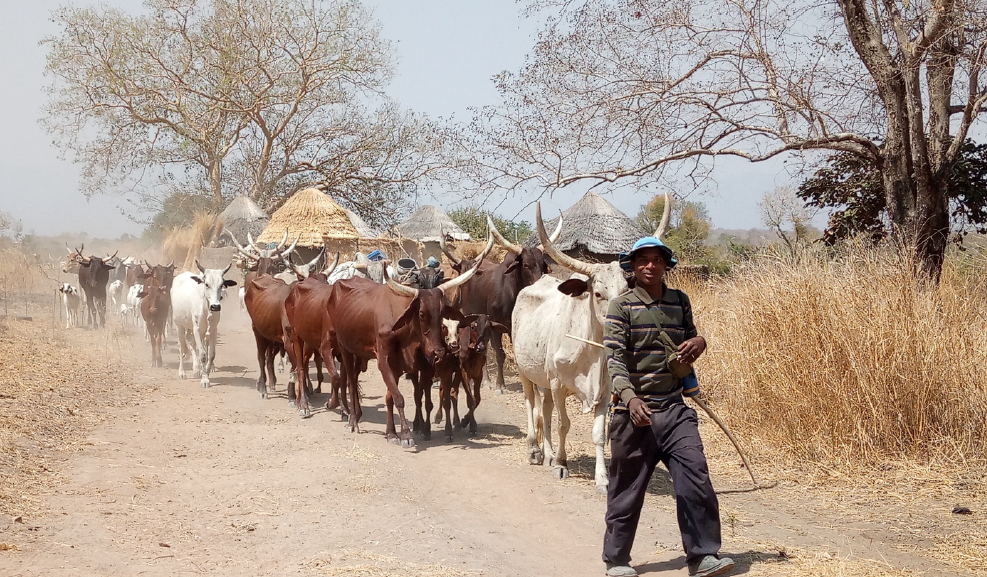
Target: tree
{"type": "Point", "coordinates": [473, 219]}
{"type": "Point", "coordinates": [788, 217]}
{"type": "Point", "coordinates": [256, 97]}
{"type": "Point", "coordinates": [854, 187]}
{"type": "Point", "coordinates": [10, 225]}
{"type": "Point", "coordinates": [640, 90]}
{"type": "Point", "coordinates": [688, 227]}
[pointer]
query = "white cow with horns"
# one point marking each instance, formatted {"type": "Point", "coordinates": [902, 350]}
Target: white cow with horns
{"type": "Point", "coordinates": [196, 305]}
{"type": "Point", "coordinates": [560, 366]}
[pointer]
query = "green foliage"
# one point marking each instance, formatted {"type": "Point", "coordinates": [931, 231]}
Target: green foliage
{"type": "Point", "coordinates": [688, 229]}
{"type": "Point", "coordinates": [178, 210]}
{"type": "Point", "coordinates": [854, 186]}
{"type": "Point", "coordinates": [473, 220]}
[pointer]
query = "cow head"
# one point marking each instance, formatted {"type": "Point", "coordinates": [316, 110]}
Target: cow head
{"type": "Point", "coordinates": [430, 316]}
{"type": "Point", "coordinates": [528, 263]}
{"type": "Point", "coordinates": [94, 272]}
{"type": "Point", "coordinates": [215, 286]}
{"type": "Point", "coordinates": [597, 282]}
{"type": "Point", "coordinates": [67, 289]}
{"type": "Point", "coordinates": [304, 271]}
{"type": "Point", "coordinates": [476, 330]}
{"type": "Point", "coordinates": [263, 260]}
{"type": "Point", "coordinates": [161, 275]}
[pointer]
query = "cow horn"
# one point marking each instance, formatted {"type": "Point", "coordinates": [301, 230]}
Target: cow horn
{"type": "Point", "coordinates": [457, 281]}
{"type": "Point", "coordinates": [311, 264]}
{"type": "Point", "coordinates": [666, 214]}
{"type": "Point", "coordinates": [445, 250]}
{"type": "Point", "coordinates": [109, 258]}
{"type": "Point", "coordinates": [284, 239]}
{"type": "Point", "coordinates": [253, 244]}
{"type": "Point", "coordinates": [240, 248]}
{"type": "Point", "coordinates": [199, 266]}
{"type": "Point", "coordinates": [225, 270]}
{"type": "Point", "coordinates": [171, 264]}
{"type": "Point", "coordinates": [554, 237]}
{"type": "Point", "coordinates": [288, 250]}
{"type": "Point", "coordinates": [573, 264]}
{"type": "Point", "coordinates": [328, 270]}
{"type": "Point", "coordinates": [400, 288]}
{"type": "Point", "coordinates": [515, 249]}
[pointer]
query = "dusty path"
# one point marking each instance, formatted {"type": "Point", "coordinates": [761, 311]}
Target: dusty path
{"type": "Point", "coordinates": [217, 481]}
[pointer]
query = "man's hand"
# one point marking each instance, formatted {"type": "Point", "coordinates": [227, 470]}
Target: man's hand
{"type": "Point", "coordinates": [690, 349]}
{"type": "Point", "coordinates": [640, 413]}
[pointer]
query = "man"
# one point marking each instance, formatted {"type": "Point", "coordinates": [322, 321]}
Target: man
{"type": "Point", "coordinates": [651, 422]}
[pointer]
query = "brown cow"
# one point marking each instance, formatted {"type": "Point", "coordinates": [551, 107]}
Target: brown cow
{"type": "Point", "coordinates": [405, 329]}
{"type": "Point", "coordinates": [154, 309]}
{"type": "Point", "coordinates": [494, 289]}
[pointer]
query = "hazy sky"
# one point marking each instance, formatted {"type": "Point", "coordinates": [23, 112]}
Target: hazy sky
{"type": "Point", "coordinates": [447, 50]}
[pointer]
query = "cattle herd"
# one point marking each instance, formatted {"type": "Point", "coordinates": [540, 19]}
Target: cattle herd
{"type": "Point", "coordinates": [435, 328]}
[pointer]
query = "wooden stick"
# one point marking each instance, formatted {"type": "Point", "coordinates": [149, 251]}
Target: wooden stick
{"type": "Point", "coordinates": [712, 415]}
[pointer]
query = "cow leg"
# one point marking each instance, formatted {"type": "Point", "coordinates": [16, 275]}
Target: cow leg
{"type": "Point", "coordinates": [599, 440]}
{"type": "Point", "coordinates": [472, 402]}
{"type": "Point", "coordinates": [445, 399]}
{"type": "Point", "coordinates": [318, 372]}
{"type": "Point", "coordinates": [418, 392]}
{"type": "Point", "coordinates": [425, 382]}
{"type": "Point", "coordinates": [182, 351]}
{"type": "Point", "coordinates": [390, 365]}
{"type": "Point", "coordinates": [199, 333]}
{"type": "Point", "coordinates": [498, 343]}
{"type": "Point", "coordinates": [262, 355]}
{"type": "Point", "coordinates": [560, 462]}
{"type": "Point", "coordinates": [301, 371]}
{"type": "Point", "coordinates": [535, 455]}
{"type": "Point", "coordinates": [547, 410]}
{"type": "Point", "coordinates": [350, 375]}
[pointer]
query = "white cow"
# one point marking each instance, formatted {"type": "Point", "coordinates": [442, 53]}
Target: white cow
{"type": "Point", "coordinates": [71, 300]}
{"type": "Point", "coordinates": [134, 304]}
{"type": "Point", "coordinates": [115, 293]}
{"type": "Point", "coordinates": [544, 313]}
{"type": "Point", "coordinates": [195, 302]}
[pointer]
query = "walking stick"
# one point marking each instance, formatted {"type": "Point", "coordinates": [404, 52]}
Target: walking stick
{"type": "Point", "coordinates": [712, 415]}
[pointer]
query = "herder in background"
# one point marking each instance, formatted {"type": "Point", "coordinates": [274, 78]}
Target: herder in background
{"type": "Point", "coordinates": [651, 343]}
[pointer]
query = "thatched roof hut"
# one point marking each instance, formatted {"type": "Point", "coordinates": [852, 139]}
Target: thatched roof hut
{"type": "Point", "coordinates": [242, 216]}
{"type": "Point", "coordinates": [428, 224]}
{"type": "Point", "coordinates": [360, 225]}
{"type": "Point", "coordinates": [593, 228]}
{"type": "Point", "coordinates": [313, 215]}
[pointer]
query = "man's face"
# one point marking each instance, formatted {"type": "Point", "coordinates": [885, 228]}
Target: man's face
{"type": "Point", "coordinates": [649, 266]}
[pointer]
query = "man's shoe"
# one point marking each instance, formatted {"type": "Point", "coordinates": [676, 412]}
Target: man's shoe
{"type": "Point", "coordinates": [621, 570]}
{"type": "Point", "coordinates": [710, 566]}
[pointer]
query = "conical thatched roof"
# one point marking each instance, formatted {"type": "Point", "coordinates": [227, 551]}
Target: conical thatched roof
{"type": "Point", "coordinates": [593, 225]}
{"type": "Point", "coordinates": [360, 225]}
{"type": "Point", "coordinates": [243, 216]}
{"type": "Point", "coordinates": [312, 214]}
{"type": "Point", "coordinates": [428, 223]}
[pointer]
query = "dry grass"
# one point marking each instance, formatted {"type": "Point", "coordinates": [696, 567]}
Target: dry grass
{"type": "Point", "coordinates": [182, 245]}
{"type": "Point", "coordinates": [849, 362]}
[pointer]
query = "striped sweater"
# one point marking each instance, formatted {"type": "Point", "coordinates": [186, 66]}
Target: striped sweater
{"type": "Point", "coordinates": [635, 355]}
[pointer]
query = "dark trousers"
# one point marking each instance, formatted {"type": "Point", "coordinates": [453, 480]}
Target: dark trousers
{"type": "Point", "coordinates": [673, 439]}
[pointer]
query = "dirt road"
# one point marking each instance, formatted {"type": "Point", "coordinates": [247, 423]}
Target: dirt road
{"type": "Point", "coordinates": [217, 481]}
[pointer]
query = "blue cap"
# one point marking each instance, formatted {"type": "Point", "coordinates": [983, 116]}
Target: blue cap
{"type": "Point", "coordinates": [646, 242]}
{"type": "Point", "coordinates": [432, 262]}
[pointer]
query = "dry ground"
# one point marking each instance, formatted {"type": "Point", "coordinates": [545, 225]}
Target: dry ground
{"type": "Point", "coordinates": [111, 468]}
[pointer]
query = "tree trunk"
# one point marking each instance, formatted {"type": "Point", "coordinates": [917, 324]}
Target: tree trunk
{"type": "Point", "coordinates": [216, 181]}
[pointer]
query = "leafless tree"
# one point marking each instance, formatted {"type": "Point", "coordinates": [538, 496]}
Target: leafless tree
{"type": "Point", "coordinates": [786, 215]}
{"type": "Point", "coordinates": [638, 90]}
{"type": "Point", "coordinates": [253, 97]}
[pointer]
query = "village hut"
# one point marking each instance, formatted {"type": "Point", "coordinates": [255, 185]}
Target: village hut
{"type": "Point", "coordinates": [426, 226]}
{"type": "Point", "coordinates": [360, 225]}
{"type": "Point", "coordinates": [593, 230]}
{"type": "Point", "coordinates": [314, 218]}
{"type": "Point", "coordinates": [242, 216]}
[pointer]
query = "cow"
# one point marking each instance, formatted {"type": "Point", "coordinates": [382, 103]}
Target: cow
{"type": "Point", "coordinates": [134, 303]}
{"type": "Point", "coordinates": [163, 276]}
{"type": "Point", "coordinates": [474, 333]}
{"type": "Point", "coordinates": [71, 301]}
{"type": "Point", "coordinates": [494, 289]}
{"type": "Point", "coordinates": [155, 304]}
{"type": "Point", "coordinates": [115, 294]}
{"type": "Point", "coordinates": [94, 272]}
{"type": "Point", "coordinates": [196, 301]}
{"type": "Point", "coordinates": [304, 314]}
{"type": "Point", "coordinates": [545, 313]}
{"type": "Point", "coordinates": [406, 330]}
{"type": "Point", "coordinates": [264, 299]}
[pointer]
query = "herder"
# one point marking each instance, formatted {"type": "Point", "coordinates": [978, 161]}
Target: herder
{"type": "Point", "coordinates": [646, 326]}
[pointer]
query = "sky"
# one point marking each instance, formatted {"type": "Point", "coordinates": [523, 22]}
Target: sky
{"type": "Point", "coordinates": [447, 52]}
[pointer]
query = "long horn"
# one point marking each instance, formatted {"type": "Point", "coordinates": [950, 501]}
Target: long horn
{"type": "Point", "coordinates": [328, 270]}
{"type": "Point", "coordinates": [287, 251]}
{"type": "Point", "coordinates": [109, 258]}
{"type": "Point", "coordinates": [554, 237]}
{"type": "Point", "coordinates": [284, 239]}
{"type": "Point", "coordinates": [515, 249]}
{"type": "Point", "coordinates": [240, 248]}
{"type": "Point", "coordinates": [225, 270]}
{"type": "Point", "coordinates": [666, 214]}
{"type": "Point", "coordinates": [573, 264]}
{"type": "Point", "coordinates": [253, 244]}
{"type": "Point", "coordinates": [445, 250]}
{"type": "Point", "coordinates": [456, 281]}
{"type": "Point", "coordinates": [199, 266]}
{"type": "Point", "coordinates": [400, 288]}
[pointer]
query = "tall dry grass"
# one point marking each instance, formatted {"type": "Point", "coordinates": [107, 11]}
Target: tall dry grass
{"type": "Point", "coordinates": [849, 361]}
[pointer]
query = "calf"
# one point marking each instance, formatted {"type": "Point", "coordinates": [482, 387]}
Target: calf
{"type": "Point", "coordinates": [115, 294]}
{"type": "Point", "coordinates": [71, 300]}
{"type": "Point", "coordinates": [196, 308]}
{"type": "Point", "coordinates": [134, 303]}
{"type": "Point", "coordinates": [154, 308]}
